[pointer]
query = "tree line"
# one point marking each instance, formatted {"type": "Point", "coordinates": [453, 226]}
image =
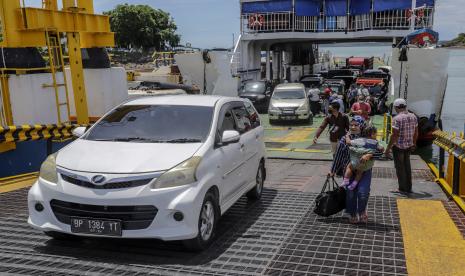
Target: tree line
{"type": "Point", "coordinates": [143, 27]}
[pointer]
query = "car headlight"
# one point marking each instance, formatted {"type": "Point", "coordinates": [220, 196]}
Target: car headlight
{"type": "Point", "coordinates": [48, 169]}
{"type": "Point", "coordinates": [303, 107]}
{"type": "Point", "coordinates": [180, 175]}
{"type": "Point", "coordinates": [273, 108]}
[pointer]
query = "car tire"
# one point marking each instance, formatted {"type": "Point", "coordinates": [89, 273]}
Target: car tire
{"type": "Point", "coordinates": [208, 218]}
{"type": "Point", "coordinates": [256, 192]}
{"type": "Point", "coordinates": [61, 236]}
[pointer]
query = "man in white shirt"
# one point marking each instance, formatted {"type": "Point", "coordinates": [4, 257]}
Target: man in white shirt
{"type": "Point", "coordinates": [314, 94]}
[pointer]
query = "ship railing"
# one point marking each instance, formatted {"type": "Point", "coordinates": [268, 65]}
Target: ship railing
{"type": "Point", "coordinates": [267, 22]}
{"type": "Point", "coordinates": [384, 20]}
{"type": "Point", "coordinates": [450, 175]}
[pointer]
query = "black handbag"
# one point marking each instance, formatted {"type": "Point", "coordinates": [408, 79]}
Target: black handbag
{"type": "Point", "coordinates": [331, 200]}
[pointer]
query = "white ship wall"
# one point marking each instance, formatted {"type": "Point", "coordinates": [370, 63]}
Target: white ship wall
{"type": "Point", "coordinates": [216, 74]}
{"type": "Point", "coordinates": [105, 89]}
{"type": "Point", "coordinates": [32, 103]}
{"type": "Point", "coordinates": [425, 73]}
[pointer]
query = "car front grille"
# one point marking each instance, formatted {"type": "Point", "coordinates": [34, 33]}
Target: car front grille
{"type": "Point", "coordinates": [287, 109]}
{"type": "Point", "coordinates": [132, 217]}
{"type": "Point", "coordinates": [115, 185]}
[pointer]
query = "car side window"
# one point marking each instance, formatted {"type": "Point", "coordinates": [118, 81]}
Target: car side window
{"type": "Point", "coordinates": [253, 115]}
{"type": "Point", "coordinates": [243, 123]}
{"type": "Point", "coordinates": [229, 122]}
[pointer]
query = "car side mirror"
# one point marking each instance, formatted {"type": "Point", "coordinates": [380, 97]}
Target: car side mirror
{"type": "Point", "coordinates": [230, 137]}
{"type": "Point", "coordinates": [79, 131]}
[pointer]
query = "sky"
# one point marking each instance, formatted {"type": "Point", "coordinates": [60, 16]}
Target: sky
{"type": "Point", "coordinates": [212, 23]}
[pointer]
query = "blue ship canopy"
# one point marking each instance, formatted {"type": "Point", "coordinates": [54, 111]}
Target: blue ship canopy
{"type": "Point", "coordinates": [428, 3]}
{"type": "Point", "coordinates": [358, 7]}
{"type": "Point", "coordinates": [307, 7]}
{"type": "Point", "coordinates": [386, 5]}
{"type": "Point", "coordinates": [336, 7]}
{"type": "Point", "coordinates": [267, 6]}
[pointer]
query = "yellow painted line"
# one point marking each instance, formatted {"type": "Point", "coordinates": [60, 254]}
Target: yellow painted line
{"type": "Point", "coordinates": [298, 150]}
{"type": "Point", "coordinates": [294, 136]}
{"type": "Point", "coordinates": [278, 149]}
{"type": "Point", "coordinates": [18, 182]}
{"type": "Point", "coordinates": [289, 128]}
{"type": "Point", "coordinates": [312, 151]}
{"type": "Point", "coordinates": [433, 244]}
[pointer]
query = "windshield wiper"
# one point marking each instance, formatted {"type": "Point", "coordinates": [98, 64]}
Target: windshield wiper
{"type": "Point", "coordinates": [184, 140]}
{"type": "Point", "coordinates": [132, 139]}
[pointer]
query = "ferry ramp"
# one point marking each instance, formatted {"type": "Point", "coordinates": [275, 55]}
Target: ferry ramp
{"type": "Point", "coordinates": [278, 235]}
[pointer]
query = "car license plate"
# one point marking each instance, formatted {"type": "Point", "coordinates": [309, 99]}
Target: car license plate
{"type": "Point", "coordinates": [288, 112]}
{"type": "Point", "coordinates": [96, 226]}
{"type": "Point", "coordinates": [288, 117]}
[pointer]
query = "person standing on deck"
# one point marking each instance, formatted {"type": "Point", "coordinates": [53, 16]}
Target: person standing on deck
{"type": "Point", "coordinates": [403, 142]}
{"type": "Point", "coordinates": [361, 108]}
{"type": "Point", "coordinates": [326, 94]}
{"type": "Point", "coordinates": [314, 93]}
{"type": "Point", "coordinates": [339, 125]}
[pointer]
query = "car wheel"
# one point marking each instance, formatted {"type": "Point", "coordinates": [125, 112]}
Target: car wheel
{"type": "Point", "coordinates": [256, 192]}
{"type": "Point", "coordinates": [61, 236]}
{"type": "Point", "coordinates": [208, 218]}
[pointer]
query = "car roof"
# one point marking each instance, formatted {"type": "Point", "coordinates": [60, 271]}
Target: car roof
{"type": "Point", "coordinates": [285, 86]}
{"type": "Point", "coordinates": [194, 100]}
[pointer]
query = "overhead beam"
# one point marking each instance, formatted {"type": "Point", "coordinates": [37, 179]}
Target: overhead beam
{"type": "Point", "coordinates": [64, 21]}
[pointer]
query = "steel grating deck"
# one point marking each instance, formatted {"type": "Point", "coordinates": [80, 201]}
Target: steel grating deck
{"type": "Point", "coordinates": [278, 235]}
{"type": "Point", "coordinates": [332, 246]}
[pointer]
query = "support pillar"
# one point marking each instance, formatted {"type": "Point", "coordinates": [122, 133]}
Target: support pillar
{"type": "Point", "coordinates": [268, 64]}
{"type": "Point", "coordinates": [77, 74]}
{"type": "Point", "coordinates": [412, 19]}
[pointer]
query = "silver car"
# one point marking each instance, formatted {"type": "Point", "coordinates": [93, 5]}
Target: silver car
{"type": "Point", "coordinates": [289, 102]}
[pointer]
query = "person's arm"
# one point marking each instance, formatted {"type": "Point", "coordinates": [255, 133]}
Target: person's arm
{"type": "Point", "coordinates": [368, 112]}
{"type": "Point", "coordinates": [354, 110]}
{"type": "Point", "coordinates": [321, 129]}
{"type": "Point", "coordinates": [394, 137]}
{"type": "Point", "coordinates": [365, 158]}
{"type": "Point", "coordinates": [348, 141]}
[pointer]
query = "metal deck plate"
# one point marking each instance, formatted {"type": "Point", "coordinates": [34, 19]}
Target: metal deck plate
{"type": "Point", "coordinates": [278, 235]}
{"type": "Point", "coordinates": [332, 246]}
{"type": "Point", "coordinates": [249, 236]}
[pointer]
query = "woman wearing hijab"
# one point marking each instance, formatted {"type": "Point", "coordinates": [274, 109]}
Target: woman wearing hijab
{"type": "Point", "coordinates": [357, 199]}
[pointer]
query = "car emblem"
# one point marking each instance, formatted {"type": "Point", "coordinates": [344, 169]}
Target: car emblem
{"type": "Point", "coordinates": [98, 179]}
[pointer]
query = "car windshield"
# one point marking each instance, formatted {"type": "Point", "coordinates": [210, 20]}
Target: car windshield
{"type": "Point", "coordinates": [336, 89]}
{"type": "Point", "coordinates": [154, 124]}
{"type": "Point", "coordinates": [254, 87]}
{"type": "Point", "coordinates": [289, 94]}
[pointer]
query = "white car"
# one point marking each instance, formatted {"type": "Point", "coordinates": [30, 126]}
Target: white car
{"type": "Point", "coordinates": [289, 102]}
{"type": "Point", "coordinates": [155, 167]}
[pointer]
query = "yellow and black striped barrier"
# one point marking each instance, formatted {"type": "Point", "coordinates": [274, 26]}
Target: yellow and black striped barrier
{"type": "Point", "coordinates": [452, 178]}
{"type": "Point", "coordinates": [36, 132]}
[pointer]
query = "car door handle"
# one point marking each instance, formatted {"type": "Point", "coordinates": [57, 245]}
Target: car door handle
{"type": "Point", "coordinates": [242, 146]}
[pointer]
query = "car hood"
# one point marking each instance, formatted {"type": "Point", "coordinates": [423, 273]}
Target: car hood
{"type": "Point", "coordinates": [123, 157]}
{"type": "Point", "coordinates": [288, 102]}
{"type": "Point", "coordinates": [252, 95]}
